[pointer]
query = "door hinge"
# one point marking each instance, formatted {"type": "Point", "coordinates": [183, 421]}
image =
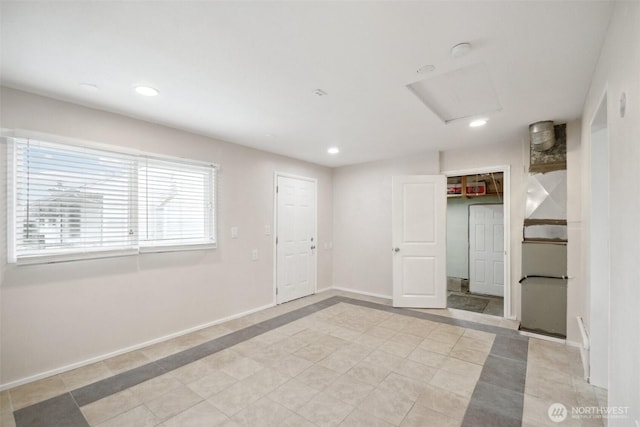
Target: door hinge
{"type": "Point", "coordinates": [277, 188]}
{"type": "Point", "coordinates": [276, 291]}
{"type": "Point", "coordinates": [276, 240]}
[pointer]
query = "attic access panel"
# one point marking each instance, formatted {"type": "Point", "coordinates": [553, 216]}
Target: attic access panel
{"type": "Point", "coordinates": [458, 94]}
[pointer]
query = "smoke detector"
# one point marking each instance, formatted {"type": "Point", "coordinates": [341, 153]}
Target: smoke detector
{"type": "Point", "coordinates": [461, 49]}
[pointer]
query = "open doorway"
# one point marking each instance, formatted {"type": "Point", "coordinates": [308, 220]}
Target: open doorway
{"type": "Point", "coordinates": [477, 267]}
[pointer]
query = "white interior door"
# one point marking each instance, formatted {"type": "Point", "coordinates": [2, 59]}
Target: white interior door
{"type": "Point", "coordinates": [419, 209]}
{"type": "Point", "coordinates": [296, 238]}
{"type": "Point", "coordinates": [486, 249]}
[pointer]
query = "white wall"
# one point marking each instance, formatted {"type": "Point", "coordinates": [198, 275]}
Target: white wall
{"type": "Point", "coordinates": [618, 71]}
{"type": "Point", "coordinates": [59, 314]}
{"type": "Point", "coordinates": [362, 221]}
{"type": "Point", "coordinates": [458, 233]}
{"type": "Point", "coordinates": [515, 155]}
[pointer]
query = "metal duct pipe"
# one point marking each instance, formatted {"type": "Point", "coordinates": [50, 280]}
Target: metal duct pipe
{"type": "Point", "coordinates": [542, 135]}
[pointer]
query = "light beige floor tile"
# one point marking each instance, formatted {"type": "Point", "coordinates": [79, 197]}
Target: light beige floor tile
{"type": "Point", "coordinates": [242, 368]}
{"type": "Point", "coordinates": [173, 402]}
{"type": "Point", "coordinates": [221, 358]}
{"type": "Point", "coordinates": [359, 418]}
{"type": "Point", "coordinates": [381, 332]}
{"type": "Point", "coordinates": [86, 375]}
{"type": "Point", "coordinates": [383, 359]}
{"type": "Point", "coordinates": [468, 355]}
{"type": "Point", "coordinates": [293, 394]}
{"type": "Point", "coordinates": [292, 328]}
{"type": "Point", "coordinates": [415, 370]}
{"type": "Point", "coordinates": [139, 416]}
{"type": "Point", "coordinates": [213, 332]}
{"type": "Point", "coordinates": [386, 406]}
{"type": "Point", "coordinates": [458, 384]}
{"type": "Point", "coordinates": [291, 344]}
{"type": "Point", "coordinates": [369, 373]}
{"type": "Point", "coordinates": [420, 328]}
{"type": "Point", "coordinates": [426, 357]}
{"type": "Point", "coordinates": [536, 411]}
{"type": "Point", "coordinates": [126, 361]}
{"type": "Point", "coordinates": [479, 335]}
{"type": "Point", "coordinates": [309, 336]}
{"type": "Point", "coordinates": [269, 356]}
{"type": "Point", "coordinates": [461, 367]}
{"type": "Point", "coordinates": [369, 340]}
{"type": "Point", "coordinates": [331, 341]}
{"type": "Point", "coordinates": [421, 416]}
{"type": "Point", "coordinates": [7, 420]}
{"type": "Point", "coordinates": [191, 372]}
{"type": "Point", "coordinates": [271, 337]}
{"type": "Point", "coordinates": [291, 365]}
{"type": "Point", "coordinates": [338, 362]}
{"type": "Point", "coordinates": [395, 322]}
{"type": "Point", "coordinates": [109, 407]}
{"type": "Point", "coordinates": [203, 414]}
{"type": "Point", "coordinates": [434, 346]}
{"type": "Point", "coordinates": [324, 410]}
{"type": "Point", "coordinates": [249, 347]}
{"type": "Point", "coordinates": [296, 420]}
{"type": "Point", "coordinates": [5, 402]}
{"type": "Point", "coordinates": [315, 352]}
{"type": "Point", "coordinates": [403, 387]}
{"type": "Point", "coordinates": [397, 349]}
{"type": "Point", "coordinates": [262, 413]}
{"type": "Point", "coordinates": [349, 390]}
{"type": "Point", "coordinates": [445, 402]}
{"type": "Point", "coordinates": [444, 336]}
{"type": "Point", "coordinates": [212, 383]}
{"type": "Point", "coordinates": [162, 349]}
{"type": "Point", "coordinates": [267, 380]}
{"type": "Point", "coordinates": [473, 344]}
{"type": "Point", "coordinates": [37, 391]}
{"type": "Point", "coordinates": [235, 398]}
{"type": "Point", "coordinates": [155, 387]}
{"type": "Point", "coordinates": [318, 377]}
{"type": "Point", "coordinates": [344, 333]}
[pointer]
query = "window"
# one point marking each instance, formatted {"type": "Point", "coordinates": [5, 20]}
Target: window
{"type": "Point", "coordinates": [70, 202]}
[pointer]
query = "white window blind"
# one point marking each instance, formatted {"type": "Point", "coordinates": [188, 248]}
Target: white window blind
{"type": "Point", "coordinates": [70, 202]}
{"type": "Point", "coordinates": [176, 205]}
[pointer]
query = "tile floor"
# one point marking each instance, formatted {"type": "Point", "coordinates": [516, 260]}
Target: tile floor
{"type": "Point", "coordinates": [326, 360]}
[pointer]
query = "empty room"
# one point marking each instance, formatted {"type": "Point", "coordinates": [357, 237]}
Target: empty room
{"type": "Point", "coordinates": [319, 213]}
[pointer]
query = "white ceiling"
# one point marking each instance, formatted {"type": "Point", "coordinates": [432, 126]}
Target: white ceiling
{"type": "Point", "coordinates": [245, 72]}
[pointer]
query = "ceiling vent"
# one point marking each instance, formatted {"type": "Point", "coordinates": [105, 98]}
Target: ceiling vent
{"type": "Point", "coordinates": [458, 94]}
{"type": "Point", "coordinates": [542, 135]}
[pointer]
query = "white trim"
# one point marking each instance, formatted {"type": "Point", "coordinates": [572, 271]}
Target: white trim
{"type": "Point", "coordinates": [274, 229]}
{"type": "Point", "coordinates": [356, 291]}
{"type": "Point", "coordinates": [102, 357]}
{"type": "Point", "coordinates": [84, 143]}
{"type": "Point", "coordinates": [543, 337]}
{"type": "Point", "coordinates": [506, 209]}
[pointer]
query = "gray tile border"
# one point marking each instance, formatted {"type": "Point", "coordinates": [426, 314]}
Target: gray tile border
{"type": "Point", "coordinates": [506, 362]}
{"type": "Point", "coordinates": [58, 411]}
{"type": "Point", "coordinates": [498, 401]}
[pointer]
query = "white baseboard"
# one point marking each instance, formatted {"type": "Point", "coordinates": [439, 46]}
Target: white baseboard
{"type": "Point", "coordinates": [356, 291]}
{"type": "Point", "coordinates": [543, 337]}
{"type": "Point", "coordinates": [102, 357]}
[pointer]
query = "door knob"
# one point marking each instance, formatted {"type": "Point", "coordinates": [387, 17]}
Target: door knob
{"type": "Point", "coordinates": [396, 249]}
{"type": "Point", "coordinates": [313, 247]}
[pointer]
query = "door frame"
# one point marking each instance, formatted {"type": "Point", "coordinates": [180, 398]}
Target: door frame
{"type": "Point", "coordinates": [506, 210]}
{"type": "Point", "coordinates": [274, 229]}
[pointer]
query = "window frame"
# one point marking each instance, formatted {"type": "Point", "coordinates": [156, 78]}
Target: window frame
{"type": "Point", "coordinates": [137, 246]}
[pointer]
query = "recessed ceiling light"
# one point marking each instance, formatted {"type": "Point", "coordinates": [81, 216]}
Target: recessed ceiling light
{"type": "Point", "coordinates": [461, 49]}
{"type": "Point", "coordinates": [147, 91]}
{"type": "Point", "coordinates": [333, 150]}
{"type": "Point", "coordinates": [89, 87]}
{"type": "Point", "coordinates": [477, 123]}
{"type": "Point", "coordinates": [426, 69]}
